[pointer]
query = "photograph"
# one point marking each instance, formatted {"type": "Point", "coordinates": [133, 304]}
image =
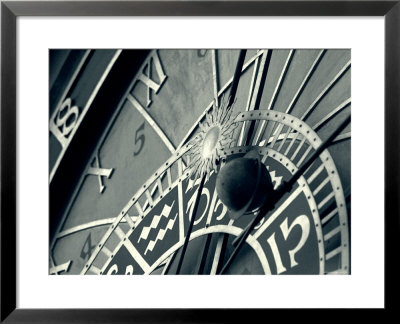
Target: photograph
{"type": "Point", "coordinates": [199, 161]}
{"type": "Point", "coordinates": [209, 161]}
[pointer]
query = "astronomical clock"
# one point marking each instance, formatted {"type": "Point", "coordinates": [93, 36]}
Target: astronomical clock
{"type": "Point", "coordinates": [200, 161]}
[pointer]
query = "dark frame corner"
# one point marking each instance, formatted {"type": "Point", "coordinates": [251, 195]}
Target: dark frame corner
{"type": "Point", "coordinates": [10, 10]}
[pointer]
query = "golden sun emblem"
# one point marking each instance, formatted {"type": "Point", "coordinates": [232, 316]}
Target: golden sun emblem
{"type": "Point", "coordinates": [215, 135]}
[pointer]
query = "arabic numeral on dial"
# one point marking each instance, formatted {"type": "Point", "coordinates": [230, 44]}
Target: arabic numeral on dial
{"type": "Point", "coordinates": [139, 140]}
{"type": "Point", "coordinates": [223, 212]}
{"type": "Point", "coordinates": [304, 224]}
{"type": "Point", "coordinates": [67, 117]}
{"type": "Point", "coordinates": [201, 52]}
{"type": "Point", "coordinates": [190, 205]}
{"type": "Point", "coordinates": [87, 248]}
{"type": "Point", "coordinates": [114, 270]}
{"type": "Point", "coordinates": [129, 270]}
{"type": "Point", "coordinates": [275, 252]}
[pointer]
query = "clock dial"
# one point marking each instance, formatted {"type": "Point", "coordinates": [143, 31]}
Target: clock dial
{"type": "Point", "coordinates": [131, 207]}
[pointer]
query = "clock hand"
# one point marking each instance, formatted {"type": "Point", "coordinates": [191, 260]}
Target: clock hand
{"type": "Point", "coordinates": [261, 82]}
{"type": "Point", "coordinates": [232, 95]}
{"type": "Point", "coordinates": [236, 77]}
{"type": "Point", "coordinates": [189, 230]}
{"type": "Point", "coordinates": [276, 195]}
{"type": "Point", "coordinates": [204, 254]}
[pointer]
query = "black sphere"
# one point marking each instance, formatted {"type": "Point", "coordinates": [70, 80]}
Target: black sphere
{"type": "Point", "coordinates": [238, 185]}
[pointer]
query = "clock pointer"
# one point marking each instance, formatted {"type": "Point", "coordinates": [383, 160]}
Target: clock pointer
{"type": "Point", "coordinates": [259, 94]}
{"type": "Point", "coordinates": [232, 95]}
{"type": "Point", "coordinates": [189, 230]}
{"type": "Point", "coordinates": [277, 194]}
{"type": "Point", "coordinates": [236, 77]}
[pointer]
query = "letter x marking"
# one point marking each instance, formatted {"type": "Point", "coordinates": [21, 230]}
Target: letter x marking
{"type": "Point", "coordinates": [99, 172]}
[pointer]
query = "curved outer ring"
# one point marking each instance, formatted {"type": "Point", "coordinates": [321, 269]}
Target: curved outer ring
{"type": "Point", "coordinates": [314, 140]}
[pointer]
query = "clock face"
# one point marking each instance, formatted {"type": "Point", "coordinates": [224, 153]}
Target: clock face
{"type": "Point", "coordinates": [145, 199]}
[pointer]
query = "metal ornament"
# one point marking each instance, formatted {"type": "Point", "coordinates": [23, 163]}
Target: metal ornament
{"type": "Point", "coordinates": [208, 146]}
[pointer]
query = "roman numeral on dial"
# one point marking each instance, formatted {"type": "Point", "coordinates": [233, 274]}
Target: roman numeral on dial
{"type": "Point", "coordinates": [146, 77]}
{"type": "Point", "coordinates": [99, 172]}
{"type": "Point", "coordinates": [55, 270]}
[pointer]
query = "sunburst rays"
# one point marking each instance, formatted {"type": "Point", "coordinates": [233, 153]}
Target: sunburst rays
{"type": "Point", "coordinates": [215, 135]}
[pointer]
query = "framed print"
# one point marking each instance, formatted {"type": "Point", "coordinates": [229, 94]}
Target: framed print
{"type": "Point", "coordinates": [209, 142]}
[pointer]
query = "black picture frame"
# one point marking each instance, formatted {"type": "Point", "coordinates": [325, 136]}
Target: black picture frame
{"type": "Point", "coordinates": [10, 10]}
